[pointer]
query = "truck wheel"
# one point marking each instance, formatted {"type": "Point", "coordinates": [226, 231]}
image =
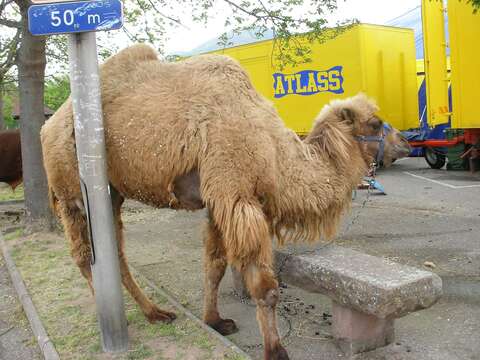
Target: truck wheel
{"type": "Point", "coordinates": [434, 158]}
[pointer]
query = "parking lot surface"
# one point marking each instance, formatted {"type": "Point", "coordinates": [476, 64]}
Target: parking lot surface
{"type": "Point", "coordinates": [428, 217]}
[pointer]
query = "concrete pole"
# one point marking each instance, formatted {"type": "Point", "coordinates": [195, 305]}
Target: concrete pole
{"type": "Point", "coordinates": [91, 154]}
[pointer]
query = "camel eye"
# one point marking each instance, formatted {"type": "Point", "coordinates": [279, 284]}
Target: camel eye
{"type": "Point", "coordinates": [375, 123]}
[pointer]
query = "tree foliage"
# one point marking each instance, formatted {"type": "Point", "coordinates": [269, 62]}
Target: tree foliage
{"type": "Point", "coordinates": [57, 90]}
{"type": "Point", "coordinates": [9, 42]}
{"type": "Point", "coordinates": [10, 36]}
{"type": "Point", "coordinates": [10, 97]}
{"type": "Point", "coordinates": [283, 18]}
{"type": "Point", "coordinates": [475, 4]}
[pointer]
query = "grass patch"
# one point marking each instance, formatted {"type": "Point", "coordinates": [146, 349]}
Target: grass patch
{"type": "Point", "coordinates": [7, 194]}
{"type": "Point", "coordinates": [203, 342]}
{"type": "Point", "coordinates": [140, 352]}
{"type": "Point", "coordinates": [234, 356]}
{"type": "Point", "coordinates": [13, 235]}
{"type": "Point", "coordinates": [67, 309]}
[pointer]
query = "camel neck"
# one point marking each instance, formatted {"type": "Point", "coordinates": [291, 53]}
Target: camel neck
{"type": "Point", "coordinates": [314, 190]}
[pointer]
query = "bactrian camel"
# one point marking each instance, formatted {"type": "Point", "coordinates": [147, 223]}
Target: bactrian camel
{"type": "Point", "coordinates": [196, 134]}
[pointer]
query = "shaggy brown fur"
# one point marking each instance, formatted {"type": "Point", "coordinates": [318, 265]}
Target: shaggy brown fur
{"type": "Point", "coordinates": [196, 133]}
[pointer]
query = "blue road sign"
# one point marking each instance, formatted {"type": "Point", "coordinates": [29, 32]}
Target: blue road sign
{"type": "Point", "coordinates": [74, 17]}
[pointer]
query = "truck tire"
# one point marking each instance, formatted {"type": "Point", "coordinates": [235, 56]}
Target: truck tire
{"type": "Point", "coordinates": [435, 158]}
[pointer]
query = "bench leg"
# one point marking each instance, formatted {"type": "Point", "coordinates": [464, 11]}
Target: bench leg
{"type": "Point", "coordinates": [356, 332]}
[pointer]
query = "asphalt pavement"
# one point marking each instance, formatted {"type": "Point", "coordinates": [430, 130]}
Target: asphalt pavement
{"type": "Point", "coordinates": [427, 217]}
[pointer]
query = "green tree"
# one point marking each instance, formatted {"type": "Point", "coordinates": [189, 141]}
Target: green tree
{"type": "Point", "coordinates": [9, 98]}
{"type": "Point", "coordinates": [9, 42]}
{"type": "Point", "coordinates": [57, 91]}
{"type": "Point", "coordinates": [476, 4]}
{"type": "Point", "coordinates": [31, 62]}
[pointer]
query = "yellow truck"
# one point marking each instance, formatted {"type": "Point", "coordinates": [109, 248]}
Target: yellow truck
{"type": "Point", "coordinates": [452, 125]}
{"type": "Point", "coordinates": [376, 60]}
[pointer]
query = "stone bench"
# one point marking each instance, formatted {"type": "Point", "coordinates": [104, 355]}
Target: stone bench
{"type": "Point", "coordinates": [368, 293]}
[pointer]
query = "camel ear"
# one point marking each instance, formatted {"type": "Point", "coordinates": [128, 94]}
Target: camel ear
{"type": "Point", "coordinates": [348, 115]}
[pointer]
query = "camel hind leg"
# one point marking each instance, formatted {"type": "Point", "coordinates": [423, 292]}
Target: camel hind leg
{"type": "Point", "coordinates": [151, 311]}
{"type": "Point", "coordinates": [249, 249]}
{"type": "Point", "coordinates": [247, 239]}
{"type": "Point", "coordinates": [263, 287]}
{"type": "Point", "coordinates": [215, 265]}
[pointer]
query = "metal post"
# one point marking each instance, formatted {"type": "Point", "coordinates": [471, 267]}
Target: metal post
{"type": "Point", "coordinates": [91, 154]}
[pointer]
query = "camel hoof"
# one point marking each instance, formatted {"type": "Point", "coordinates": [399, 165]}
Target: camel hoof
{"type": "Point", "coordinates": [160, 315]}
{"type": "Point", "coordinates": [225, 326]}
{"type": "Point", "coordinates": [277, 353]}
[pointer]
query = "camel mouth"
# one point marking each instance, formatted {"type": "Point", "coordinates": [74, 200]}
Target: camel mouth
{"type": "Point", "coordinates": [401, 151]}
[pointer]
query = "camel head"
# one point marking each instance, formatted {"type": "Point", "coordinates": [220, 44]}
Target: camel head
{"type": "Point", "coordinates": [343, 121]}
{"type": "Point", "coordinates": [396, 146]}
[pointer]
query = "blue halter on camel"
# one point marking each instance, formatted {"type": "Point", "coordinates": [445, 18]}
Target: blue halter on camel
{"type": "Point", "coordinates": [374, 184]}
{"type": "Point", "coordinates": [380, 139]}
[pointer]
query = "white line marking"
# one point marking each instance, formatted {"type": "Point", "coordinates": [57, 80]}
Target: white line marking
{"type": "Point", "coordinates": [467, 186]}
{"type": "Point", "coordinates": [441, 183]}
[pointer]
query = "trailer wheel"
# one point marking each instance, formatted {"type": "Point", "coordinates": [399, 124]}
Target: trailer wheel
{"type": "Point", "coordinates": [434, 158]}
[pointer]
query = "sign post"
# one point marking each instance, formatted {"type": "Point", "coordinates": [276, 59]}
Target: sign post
{"type": "Point", "coordinates": [81, 19]}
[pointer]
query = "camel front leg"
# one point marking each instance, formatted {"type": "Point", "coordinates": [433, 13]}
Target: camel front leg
{"type": "Point", "coordinates": [263, 287]}
{"type": "Point", "coordinates": [215, 265]}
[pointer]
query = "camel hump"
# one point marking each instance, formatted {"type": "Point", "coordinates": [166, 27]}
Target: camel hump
{"type": "Point", "coordinates": [129, 58]}
{"type": "Point", "coordinates": [117, 73]}
{"type": "Point", "coordinates": [214, 61]}
{"type": "Point", "coordinates": [221, 72]}
{"type": "Point", "coordinates": [214, 64]}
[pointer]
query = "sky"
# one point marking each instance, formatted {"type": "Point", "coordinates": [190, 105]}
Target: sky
{"type": "Point", "coordinates": [367, 11]}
